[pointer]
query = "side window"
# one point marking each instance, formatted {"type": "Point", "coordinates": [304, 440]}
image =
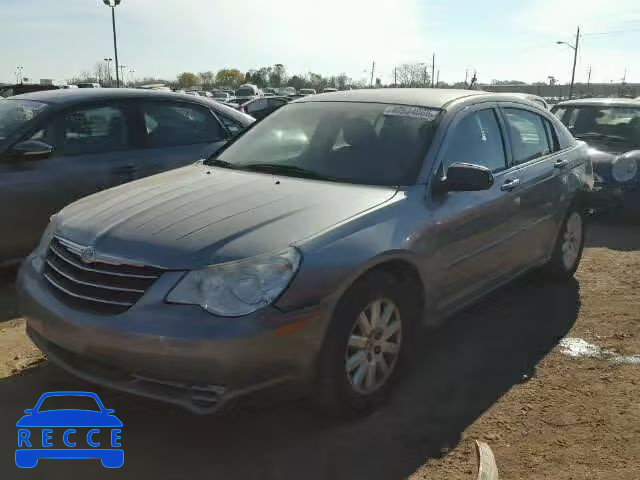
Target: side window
{"type": "Point", "coordinates": [233, 126]}
{"type": "Point", "coordinates": [168, 124]}
{"type": "Point", "coordinates": [477, 139]}
{"type": "Point", "coordinates": [93, 130]}
{"type": "Point", "coordinates": [256, 105]}
{"type": "Point", "coordinates": [552, 135]}
{"type": "Point", "coordinates": [560, 113]}
{"type": "Point", "coordinates": [527, 134]}
{"type": "Point", "coordinates": [276, 102]}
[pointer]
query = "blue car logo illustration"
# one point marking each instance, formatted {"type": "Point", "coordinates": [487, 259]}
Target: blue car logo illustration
{"type": "Point", "coordinates": [84, 433]}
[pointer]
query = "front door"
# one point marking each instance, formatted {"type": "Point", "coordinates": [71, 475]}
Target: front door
{"type": "Point", "coordinates": [474, 230]}
{"type": "Point", "coordinates": [87, 142]}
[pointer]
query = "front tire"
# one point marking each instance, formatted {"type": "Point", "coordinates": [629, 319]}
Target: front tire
{"type": "Point", "coordinates": [568, 248]}
{"type": "Point", "coordinates": [366, 346]}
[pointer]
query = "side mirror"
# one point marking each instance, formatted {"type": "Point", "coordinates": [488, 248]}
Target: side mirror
{"type": "Point", "coordinates": [31, 150]}
{"type": "Point", "coordinates": [466, 177]}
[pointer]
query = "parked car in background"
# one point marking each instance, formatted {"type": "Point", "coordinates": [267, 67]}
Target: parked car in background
{"type": "Point", "coordinates": [286, 91]}
{"type": "Point", "coordinates": [88, 85]}
{"type": "Point", "coordinates": [307, 91]}
{"type": "Point", "coordinates": [329, 90]}
{"type": "Point", "coordinates": [534, 98]}
{"type": "Point", "coordinates": [58, 146]}
{"type": "Point", "coordinates": [221, 96]}
{"type": "Point", "coordinates": [247, 92]}
{"type": "Point", "coordinates": [310, 249]}
{"type": "Point", "coordinates": [270, 91]}
{"type": "Point", "coordinates": [262, 107]}
{"type": "Point", "coordinates": [21, 88]}
{"type": "Point", "coordinates": [611, 128]}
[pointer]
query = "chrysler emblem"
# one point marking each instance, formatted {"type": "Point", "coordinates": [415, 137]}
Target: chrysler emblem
{"type": "Point", "coordinates": [88, 255]}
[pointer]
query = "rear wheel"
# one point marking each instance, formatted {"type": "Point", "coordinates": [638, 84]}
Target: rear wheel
{"type": "Point", "coordinates": [367, 345]}
{"type": "Point", "coordinates": [567, 251]}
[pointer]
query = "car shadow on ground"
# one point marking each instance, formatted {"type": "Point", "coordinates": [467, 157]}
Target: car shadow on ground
{"type": "Point", "coordinates": [460, 370]}
{"type": "Point", "coordinates": [614, 235]}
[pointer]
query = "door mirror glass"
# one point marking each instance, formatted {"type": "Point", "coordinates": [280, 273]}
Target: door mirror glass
{"type": "Point", "coordinates": [466, 177]}
{"type": "Point", "coordinates": [31, 149]}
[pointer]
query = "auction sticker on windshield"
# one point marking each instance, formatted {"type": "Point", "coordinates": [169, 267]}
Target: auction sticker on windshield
{"type": "Point", "coordinates": [69, 425]}
{"type": "Point", "coordinates": [415, 112]}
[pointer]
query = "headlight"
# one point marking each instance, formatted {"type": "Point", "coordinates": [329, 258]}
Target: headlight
{"type": "Point", "coordinates": [624, 168]}
{"type": "Point", "coordinates": [238, 288]}
{"type": "Point", "coordinates": [40, 253]}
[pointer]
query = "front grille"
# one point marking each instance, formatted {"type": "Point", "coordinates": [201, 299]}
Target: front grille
{"type": "Point", "coordinates": [99, 287]}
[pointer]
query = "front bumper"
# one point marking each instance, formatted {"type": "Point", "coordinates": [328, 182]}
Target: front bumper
{"type": "Point", "coordinates": [605, 196]}
{"type": "Point", "coordinates": [175, 353]}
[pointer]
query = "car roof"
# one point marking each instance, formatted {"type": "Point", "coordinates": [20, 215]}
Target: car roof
{"type": "Point", "coordinates": [598, 102]}
{"type": "Point", "coordinates": [69, 97]}
{"type": "Point", "coordinates": [81, 95]}
{"type": "Point", "coordinates": [424, 97]}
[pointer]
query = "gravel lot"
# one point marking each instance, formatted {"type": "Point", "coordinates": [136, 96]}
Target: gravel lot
{"type": "Point", "coordinates": [494, 372]}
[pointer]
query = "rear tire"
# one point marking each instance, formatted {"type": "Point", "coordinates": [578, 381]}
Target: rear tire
{"type": "Point", "coordinates": [366, 346]}
{"type": "Point", "coordinates": [568, 248]}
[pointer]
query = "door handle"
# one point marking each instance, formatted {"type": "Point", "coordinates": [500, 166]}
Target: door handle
{"type": "Point", "coordinates": [561, 163]}
{"type": "Point", "coordinates": [509, 185]}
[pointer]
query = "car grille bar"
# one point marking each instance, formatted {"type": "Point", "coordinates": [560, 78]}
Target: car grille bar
{"type": "Point", "coordinates": [96, 285]}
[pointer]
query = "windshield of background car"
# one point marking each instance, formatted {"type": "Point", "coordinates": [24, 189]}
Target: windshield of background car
{"type": "Point", "coordinates": [66, 402]}
{"type": "Point", "coordinates": [361, 143]}
{"type": "Point", "coordinates": [16, 113]}
{"type": "Point", "coordinates": [619, 123]}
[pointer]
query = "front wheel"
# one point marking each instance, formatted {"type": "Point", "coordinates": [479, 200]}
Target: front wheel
{"type": "Point", "coordinates": [366, 346]}
{"type": "Point", "coordinates": [568, 248]}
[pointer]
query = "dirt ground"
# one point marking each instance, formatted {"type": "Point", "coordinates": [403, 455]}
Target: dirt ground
{"type": "Point", "coordinates": [494, 373]}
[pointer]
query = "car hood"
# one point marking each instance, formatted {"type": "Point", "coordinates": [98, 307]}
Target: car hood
{"type": "Point", "coordinates": [69, 418]}
{"type": "Point", "coordinates": [199, 215]}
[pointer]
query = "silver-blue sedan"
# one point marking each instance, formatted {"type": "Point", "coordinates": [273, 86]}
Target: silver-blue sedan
{"type": "Point", "coordinates": [309, 249]}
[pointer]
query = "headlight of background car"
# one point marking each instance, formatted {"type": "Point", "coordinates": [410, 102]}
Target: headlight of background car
{"type": "Point", "coordinates": [238, 288]}
{"type": "Point", "coordinates": [624, 168]}
{"type": "Point", "coordinates": [40, 253]}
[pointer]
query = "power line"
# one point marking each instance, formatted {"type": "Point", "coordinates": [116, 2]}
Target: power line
{"type": "Point", "coordinates": [612, 32]}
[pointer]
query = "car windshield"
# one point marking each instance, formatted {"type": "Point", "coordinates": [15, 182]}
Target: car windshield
{"type": "Point", "coordinates": [16, 113]}
{"type": "Point", "coordinates": [362, 143]}
{"type": "Point", "coordinates": [219, 95]}
{"type": "Point", "coordinates": [606, 123]}
{"type": "Point", "coordinates": [67, 402]}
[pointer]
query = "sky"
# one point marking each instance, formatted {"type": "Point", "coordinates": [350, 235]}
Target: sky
{"type": "Point", "coordinates": [501, 39]}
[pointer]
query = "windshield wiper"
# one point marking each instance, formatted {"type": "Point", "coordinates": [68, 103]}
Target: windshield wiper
{"type": "Point", "coordinates": [220, 163]}
{"type": "Point", "coordinates": [288, 170]}
{"type": "Point", "coordinates": [602, 136]}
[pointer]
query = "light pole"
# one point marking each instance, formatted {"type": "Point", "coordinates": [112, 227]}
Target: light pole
{"type": "Point", "coordinates": [124, 81]}
{"type": "Point", "coordinates": [109, 60]}
{"type": "Point", "coordinates": [113, 4]}
{"type": "Point", "coordinates": [19, 77]}
{"type": "Point", "coordinates": [575, 59]}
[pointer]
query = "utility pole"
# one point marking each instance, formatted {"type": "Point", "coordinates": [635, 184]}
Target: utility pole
{"type": "Point", "coordinates": [438, 79]}
{"type": "Point", "coordinates": [575, 59]}
{"type": "Point", "coordinates": [588, 78]}
{"type": "Point", "coordinates": [466, 75]}
{"type": "Point", "coordinates": [395, 76]}
{"type": "Point", "coordinates": [433, 69]}
{"type": "Point", "coordinates": [373, 69]}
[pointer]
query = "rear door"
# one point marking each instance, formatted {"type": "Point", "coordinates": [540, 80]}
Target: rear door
{"type": "Point", "coordinates": [475, 230]}
{"type": "Point", "coordinates": [175, 134]}
{"type": "Point", "coordinates": [538, 167]}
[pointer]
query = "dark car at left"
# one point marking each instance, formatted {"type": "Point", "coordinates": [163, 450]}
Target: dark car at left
{"type": "Point", "coordinates": [611, 129]}
{"type": "Point", "coordinates": [59, 146]}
